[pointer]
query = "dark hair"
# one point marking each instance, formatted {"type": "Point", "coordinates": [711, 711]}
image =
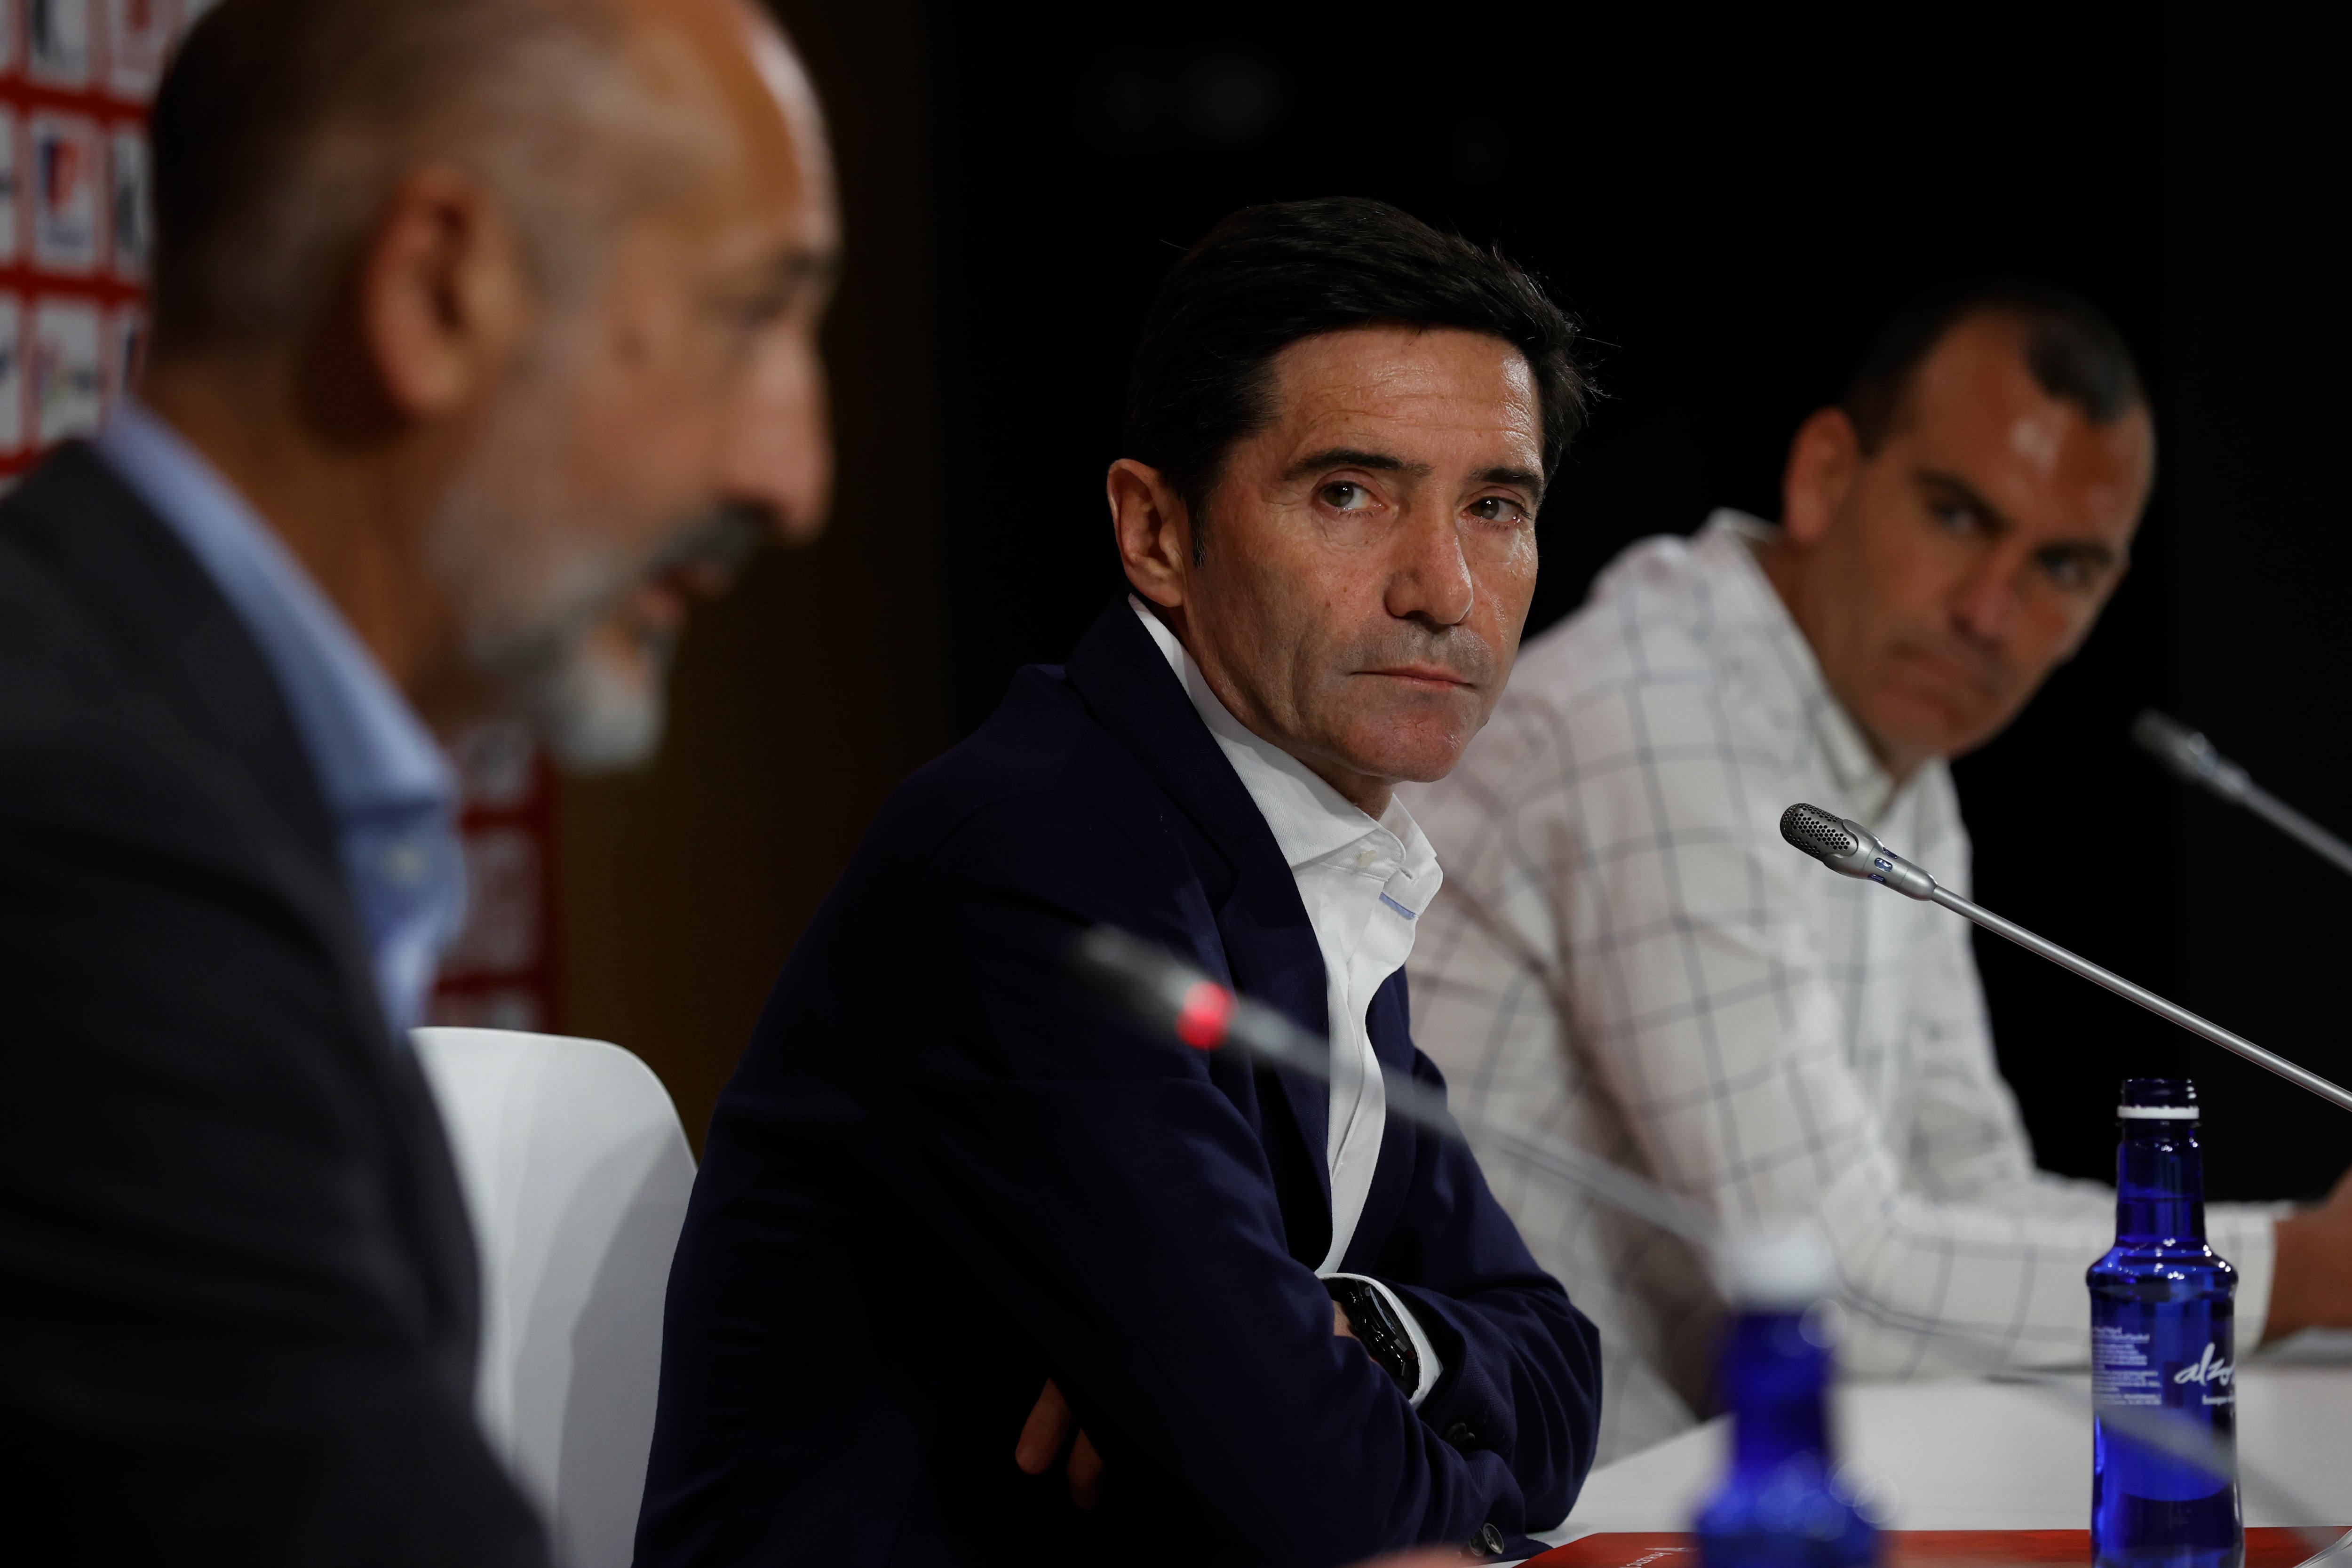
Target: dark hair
{"type": "Point", "coordinates": [1268, 275]}
{"type": "Point", "coordinates": [2073, 351]}
{"type": "Point", "coordinates": [281, 126]}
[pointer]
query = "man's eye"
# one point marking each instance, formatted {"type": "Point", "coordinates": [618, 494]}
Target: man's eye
{"type": "Point", "coordinates": [1498, 509]}
{"type": "Point", "coordinates": [764, 309]}
{"type": "Point", "coordinates": [1954, 517]}
{"type": "Point", "coordinates": [2066, 569]}
{"type": "Point", "coordinates": [755, 310]}
{"type": "Point", "coordinates": [1344, 495]}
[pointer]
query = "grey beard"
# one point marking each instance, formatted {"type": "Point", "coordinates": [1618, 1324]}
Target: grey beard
{"type": "Point", "coordinates": [597, 711]}
{"type": "Point", "coordinates": [595, 714]}
{"type": "Point", "coordinates": [597, 717]}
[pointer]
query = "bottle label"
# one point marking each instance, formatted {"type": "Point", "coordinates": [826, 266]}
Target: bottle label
{"type": "Point", "coordinates": [2174, 1358]}
{"type": "Point", "coordinates": [2215, 1378]}
{"type": "Point", "coordinates": [2141, 1363]}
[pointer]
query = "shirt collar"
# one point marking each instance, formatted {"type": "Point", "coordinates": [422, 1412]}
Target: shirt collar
{"type": "Point", "coordinates": [371, 753]}
{"type": "Point", "coordinates": [1730, 541]}
{"type": "Point", "coordinates": [1310, 820]}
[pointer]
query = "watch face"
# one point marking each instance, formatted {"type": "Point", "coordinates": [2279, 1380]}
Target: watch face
{"type": "Point", "coordinates": [1378, 1331]}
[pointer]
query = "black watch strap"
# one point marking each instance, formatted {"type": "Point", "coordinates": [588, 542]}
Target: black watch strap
{"type": "Point", "coordinates": [1378, 1330]}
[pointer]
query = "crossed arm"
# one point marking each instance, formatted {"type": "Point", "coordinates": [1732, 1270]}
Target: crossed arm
{"type": "Point", "coordinates": [1177, 1331]}
{"type": "Point", "coordinates": [1052, 1436]}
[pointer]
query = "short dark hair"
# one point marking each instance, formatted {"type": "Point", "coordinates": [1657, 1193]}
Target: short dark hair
{"type": "Point", "coordinates": [2073, 351]}
{"type": "Point", "coordinates": [1269, 276]}
{"type": "Point", "coordinates": [282, 125]}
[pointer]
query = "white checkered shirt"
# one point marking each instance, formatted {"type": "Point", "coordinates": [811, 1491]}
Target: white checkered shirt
{"type": "Point", "coordinates": [1627, 956]}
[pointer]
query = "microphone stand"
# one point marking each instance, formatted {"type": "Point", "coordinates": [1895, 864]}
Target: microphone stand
{"type": "Point", "coordinates": [2188, 754]}
{"type": "Point", "coordinates": [1847, 848]}
{"type": "Point", "coordinates": [1172, 998]}
{"type": "Point", "coordinates": [2170, 1012]}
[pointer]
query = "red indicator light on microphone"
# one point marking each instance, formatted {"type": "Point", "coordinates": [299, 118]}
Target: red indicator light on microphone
{"type": "Point", "coordinates": [1200, 1021]}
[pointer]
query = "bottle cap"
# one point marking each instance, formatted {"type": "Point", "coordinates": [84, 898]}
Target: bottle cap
{"type": "Point", "coordinates": [1786, 1267]}
{"type": "Point", "coordinates": [2157, 1099]}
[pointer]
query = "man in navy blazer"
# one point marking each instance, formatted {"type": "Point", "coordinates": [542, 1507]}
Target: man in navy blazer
{"type": "Point", "coordinates": [976, 1272]}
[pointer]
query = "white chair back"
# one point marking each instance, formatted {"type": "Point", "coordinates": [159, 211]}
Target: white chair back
{"type": "Point", "coordinates": [576, 1174]}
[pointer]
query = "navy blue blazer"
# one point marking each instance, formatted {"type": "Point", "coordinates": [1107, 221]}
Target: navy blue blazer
{"type": "Point", "coordinates": [944, 1174]}
{"type": "Point", "coordinates": [238, 1298]}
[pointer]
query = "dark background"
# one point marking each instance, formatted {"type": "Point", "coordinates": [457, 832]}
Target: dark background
{"type": "Point", "coordinates": [1729, 202]}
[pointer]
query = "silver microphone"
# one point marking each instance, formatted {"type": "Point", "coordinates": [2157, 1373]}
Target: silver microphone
{"type": "Point", "coordinates": [1175, 997]}
{"type": "Point", "coordinates": [2188, 754]}
{"type": "Point", "coordinates": [1846, 847]}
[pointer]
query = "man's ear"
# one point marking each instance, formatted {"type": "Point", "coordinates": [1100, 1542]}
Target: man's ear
{"type": "Point", "coordinates": [1154, 532]}
{"type": "Point", "coordinates": [1823, 462]}
{"type": "Point", "coordinates": [444, 296]}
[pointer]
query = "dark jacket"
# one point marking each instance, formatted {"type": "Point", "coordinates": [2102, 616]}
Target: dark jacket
{"type": "Point", "coordinates": [942, 1175]}
{"type": "Point", "coordinates": [237, 1291]}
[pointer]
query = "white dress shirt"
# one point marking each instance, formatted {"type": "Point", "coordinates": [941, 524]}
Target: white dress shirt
{"type": "Point", "coordinates": [1365, 884]}
{"type": "Point", "coordinates": [1628, 957]}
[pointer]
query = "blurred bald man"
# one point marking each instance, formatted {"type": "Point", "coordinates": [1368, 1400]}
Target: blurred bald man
{"type": "Point", "coordinates": [485, 339]}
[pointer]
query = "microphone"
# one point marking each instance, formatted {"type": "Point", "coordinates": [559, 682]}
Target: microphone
{"type": "Point", "coordinates": [1162, 991]}
{"type": "Point", "coordinates": [2188, 754]}
{"type": "Point", "coordinates": [1847, 848]}
{"type": "Point", "coordinates": [1170, 996]}
{"type": "Point", "coordinates": [1844, 846]}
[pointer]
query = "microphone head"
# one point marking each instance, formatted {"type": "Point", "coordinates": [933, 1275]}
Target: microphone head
{"type": "Point", "coordinates": [1849, 848]}
{"type": "Point", "coordinates": [1154, 984]}
{"type": "Point", "coordinates": [1173, 996]}
{"type": "Point", "coordinates": [2188, 754]}
{"type": "Point", "coordinates": [2171, 742]}
{"type": "Point", "coordinates": [1826, 837]}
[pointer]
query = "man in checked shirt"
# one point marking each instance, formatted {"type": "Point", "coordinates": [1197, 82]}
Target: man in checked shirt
{"type": "Point", "coordinates": [1627, 956]}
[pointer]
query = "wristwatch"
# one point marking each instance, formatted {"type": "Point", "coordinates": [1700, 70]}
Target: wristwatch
{"type": "Point", "coordinates": [1377, 1329]}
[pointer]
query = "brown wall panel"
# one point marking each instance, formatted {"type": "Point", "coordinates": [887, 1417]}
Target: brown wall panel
{"type": "Point", "coordinates": [801, 700]}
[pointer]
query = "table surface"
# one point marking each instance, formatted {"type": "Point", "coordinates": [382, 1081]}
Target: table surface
{"type": "Point", "coordinates": [2008, 1456]}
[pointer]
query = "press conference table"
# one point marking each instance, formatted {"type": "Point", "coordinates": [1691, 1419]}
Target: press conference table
{"type": "Point", "coordinates": [2006, 1455]}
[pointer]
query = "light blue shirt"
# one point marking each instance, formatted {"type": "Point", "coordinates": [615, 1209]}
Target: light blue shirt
{"type": "Point", "coordinates": [388, 786]}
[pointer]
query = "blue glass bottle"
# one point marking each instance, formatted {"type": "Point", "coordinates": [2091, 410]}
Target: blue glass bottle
{"type": "Point", "coordinates": [1783, 1505]}
{"type": "Point", "coordinates": [2161, 1349]}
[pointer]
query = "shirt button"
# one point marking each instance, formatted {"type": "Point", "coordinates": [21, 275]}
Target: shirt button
{"type": "Point", "coordinates": [1487, 1542]}
{"type": "Point", "coordinates": [1461, 1436]}
{"type": "Point", "coordinates": [1364, 858]}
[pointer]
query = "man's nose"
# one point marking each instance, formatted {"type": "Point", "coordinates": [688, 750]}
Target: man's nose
{"type": "Point", "coordinates": [1432, 580]}
{"type": "Point", "coordinates": [1991, 599]}
{"type": "Point", "coordinates": [779, 456]}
